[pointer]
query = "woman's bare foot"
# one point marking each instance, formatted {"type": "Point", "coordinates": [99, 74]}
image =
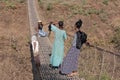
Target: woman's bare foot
{"type": "Point", "coordinates": [75, 73]}
{"type": "Point", "coordinates": [70, 75]}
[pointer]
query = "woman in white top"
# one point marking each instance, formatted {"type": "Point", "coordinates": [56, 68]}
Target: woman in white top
{"type": "Point", "coordinates": [35, 49]}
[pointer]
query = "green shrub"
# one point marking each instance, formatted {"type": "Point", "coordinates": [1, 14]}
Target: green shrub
{"type": "Point", "coordinates": [116, 38]}
{"type": "Point", "coordinates": [11, 5]}
{"type": "Point", "coordinates": [105, 2]}
{"type": "Point", "coordinates": [49, 7]}
{"type": "Point", "coordinates": [105, 77]}
{"type": "Point", "coordinates": [39, 1]}
{"type": "Point", "coordinates": [21, 1]}
{"type": "Point", "coordinates": [4, 0]}
{"type": "Point", "coordinates": [94, 11]}
{"type": "Point", "coordinates": [13, 46]}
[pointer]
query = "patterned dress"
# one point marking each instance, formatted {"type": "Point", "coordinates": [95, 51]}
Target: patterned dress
{"type": "Point", "coordinates": [70, 62]}
{"type": "Point", "coordinates": [58, 46]}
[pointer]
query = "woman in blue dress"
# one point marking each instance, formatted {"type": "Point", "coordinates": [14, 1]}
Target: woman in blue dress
{"type": "Point", "coordinates": [58, 45]}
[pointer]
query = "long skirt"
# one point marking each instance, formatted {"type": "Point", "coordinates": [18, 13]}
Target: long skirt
{"type": "Point", "coordinates": [70, 62]}
{"type": "Point", "coordinates": [37, 60]}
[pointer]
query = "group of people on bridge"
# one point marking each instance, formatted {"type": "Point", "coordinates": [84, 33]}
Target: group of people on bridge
{"type": "Point", "coordinates": [68, 64]}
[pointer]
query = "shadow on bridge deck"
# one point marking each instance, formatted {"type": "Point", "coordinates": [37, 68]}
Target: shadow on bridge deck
{"type": "Point", "coordinates": [35, 69]}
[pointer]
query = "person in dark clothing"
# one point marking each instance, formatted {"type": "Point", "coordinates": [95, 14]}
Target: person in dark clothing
{"type": "Point", "coordinates": [69, 65]}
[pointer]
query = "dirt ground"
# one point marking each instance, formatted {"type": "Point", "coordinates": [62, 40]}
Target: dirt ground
{"type": "Point", "coordinates": [15, 57]}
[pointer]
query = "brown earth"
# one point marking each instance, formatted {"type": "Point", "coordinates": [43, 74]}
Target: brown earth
{"type": "Point", "coordinates": [15, 58]}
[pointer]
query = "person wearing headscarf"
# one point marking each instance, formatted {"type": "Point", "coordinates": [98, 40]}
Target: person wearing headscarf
{"type": "Point", "coordinates": [69, 65]}
{"type": "Point", "coordinates": [58, 45]}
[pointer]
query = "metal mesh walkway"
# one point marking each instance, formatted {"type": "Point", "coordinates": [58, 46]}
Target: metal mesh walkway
{"type": "Point", "coordinates": [45, 72]}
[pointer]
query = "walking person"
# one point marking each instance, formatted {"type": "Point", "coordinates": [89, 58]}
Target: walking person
{"type": "Point", "coordinates": [70, 63]}
{"type": "Point", "coordinates": [58, 45]}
